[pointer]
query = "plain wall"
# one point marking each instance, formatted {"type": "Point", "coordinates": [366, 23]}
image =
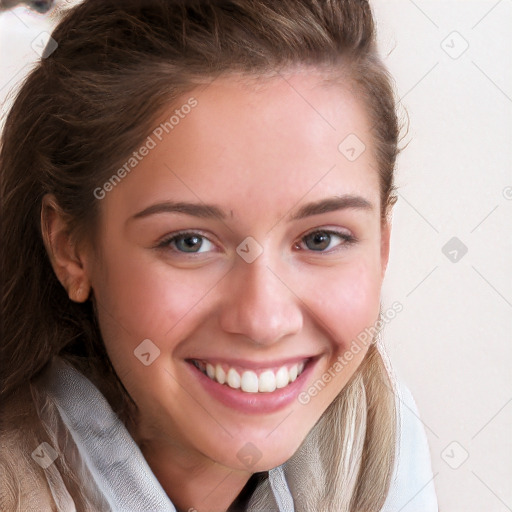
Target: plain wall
{"type": "Point", "coordinates": [452, 343]}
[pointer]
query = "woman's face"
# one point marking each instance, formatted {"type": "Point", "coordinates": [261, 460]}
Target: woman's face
{"type": "Point", "coordinates": [278, 272]}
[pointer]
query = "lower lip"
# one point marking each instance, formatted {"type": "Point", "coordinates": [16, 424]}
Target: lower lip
{"type": "Point", "coordinates": [254, 403]}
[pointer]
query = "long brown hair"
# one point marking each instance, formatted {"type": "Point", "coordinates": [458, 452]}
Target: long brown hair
{"type": "Point", "coordinates": [85, 108]}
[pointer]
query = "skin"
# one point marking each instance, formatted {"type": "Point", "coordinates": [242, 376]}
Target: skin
{"type": "Point", "coordinates": [259, 153]}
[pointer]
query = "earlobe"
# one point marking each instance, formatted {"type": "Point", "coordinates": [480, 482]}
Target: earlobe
{"type": "Point", "coordinates": [65, 257]}
{"type": "Point", "coordinates": [80, 293]}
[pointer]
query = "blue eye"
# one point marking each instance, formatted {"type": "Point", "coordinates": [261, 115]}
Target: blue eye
{"type": "Point", "coordinates": [322, 240]}
{"type": "Point", "coordinates": [188, 242]}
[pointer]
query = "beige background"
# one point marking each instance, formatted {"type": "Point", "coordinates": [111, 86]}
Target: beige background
{"type": "Point", "coordinates": [452, 342]}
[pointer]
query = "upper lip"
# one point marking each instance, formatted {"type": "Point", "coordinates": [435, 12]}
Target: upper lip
{"type": "Point", "coordinates": [251, 363]}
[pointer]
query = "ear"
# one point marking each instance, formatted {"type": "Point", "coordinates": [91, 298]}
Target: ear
{"type": "Point", "coordinates": [384, 244]}
{"type": "Point", "coordinates": [65, 257]}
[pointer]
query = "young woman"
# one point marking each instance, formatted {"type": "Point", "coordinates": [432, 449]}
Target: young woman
{"type": "Point", "coordinates": [196, 202]}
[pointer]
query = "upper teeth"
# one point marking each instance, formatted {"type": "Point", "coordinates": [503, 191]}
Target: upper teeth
{"type": "Point", "coordinates": [248, 380]}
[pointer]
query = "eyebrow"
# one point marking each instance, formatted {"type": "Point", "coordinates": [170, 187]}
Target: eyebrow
{"type": "Point", "coordinates": [194, 209]}
{"type": "Point", "coordinates": [207, 211]}
{"type": "Point", "coordinates": [332, 204]}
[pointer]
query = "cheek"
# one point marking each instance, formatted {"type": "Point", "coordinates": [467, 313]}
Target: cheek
{"type": "Point", "coordinates": [141, 298]}
{"type": "Point", "coordinates": [346, 301]}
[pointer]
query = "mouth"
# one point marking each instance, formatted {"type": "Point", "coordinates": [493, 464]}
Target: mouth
{"type": "Point", "coordinates": [262, 380]}
{"type": "Point", "coordinates": [249, 387]}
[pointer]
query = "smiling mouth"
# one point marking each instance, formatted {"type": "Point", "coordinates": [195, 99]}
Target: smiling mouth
{"type": "Point", "coordinates": [251, 381]}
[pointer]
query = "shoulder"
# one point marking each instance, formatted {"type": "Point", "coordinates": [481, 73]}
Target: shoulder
{"type": "Point", "coordinates": [412, 487]}
{"type": "Point", "coordinates": [24, 485]}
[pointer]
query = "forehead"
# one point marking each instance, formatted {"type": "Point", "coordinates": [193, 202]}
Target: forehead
{"type": "Point", "coordinates": [257, 144]}
{"type": "Point", "coordinates": [287, 116]}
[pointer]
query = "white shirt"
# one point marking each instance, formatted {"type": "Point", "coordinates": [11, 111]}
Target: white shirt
{"type": "Point", "coordinates": [412, 488]}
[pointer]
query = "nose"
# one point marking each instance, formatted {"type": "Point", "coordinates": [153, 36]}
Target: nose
{"type": "Point", "coordinates": [259, 304]}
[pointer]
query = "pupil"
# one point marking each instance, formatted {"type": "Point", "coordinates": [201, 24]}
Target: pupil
{"type": "Point", "coordinates": [320, 238]}
{"type": "Point", "coordinates": [190, 242]}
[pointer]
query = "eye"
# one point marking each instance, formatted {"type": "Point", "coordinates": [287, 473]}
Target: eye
{"type": "Point", "coordinates": [187, 242]}
{"type": "Point", "coordinates": [324, 240]}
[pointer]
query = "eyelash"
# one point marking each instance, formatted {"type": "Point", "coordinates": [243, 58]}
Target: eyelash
{"type": "Point", "coordinates": [167, 241]}
{"type": "Point", "coordinates": [347, 240]}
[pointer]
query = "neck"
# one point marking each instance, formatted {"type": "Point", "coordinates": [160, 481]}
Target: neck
{"type": "Point", "coordinates": [195, 484]}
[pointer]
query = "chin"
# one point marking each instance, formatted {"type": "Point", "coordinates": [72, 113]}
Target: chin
{"type": "Point", "coordinates": [256, 456]}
